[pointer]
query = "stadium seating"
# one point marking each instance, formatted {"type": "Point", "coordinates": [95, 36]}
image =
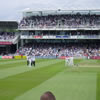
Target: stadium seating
{"type": "Point", "coordinates": [58, 50]}
{"type": "Point", "coordinates": [7, 35]}
{"type": "Point", "coordinates": [77, 20]}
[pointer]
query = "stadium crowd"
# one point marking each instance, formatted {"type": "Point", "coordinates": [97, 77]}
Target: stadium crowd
{"type": "Point", "coordinates": [58, 50]}
{"type": "Point", "coordinates": [7, 35]}
{"type": "Point", "coordinates": [70, 20]}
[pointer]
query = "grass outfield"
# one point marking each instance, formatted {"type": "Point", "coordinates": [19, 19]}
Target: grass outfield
{"type": "Point", "coordinates": [19, 82]}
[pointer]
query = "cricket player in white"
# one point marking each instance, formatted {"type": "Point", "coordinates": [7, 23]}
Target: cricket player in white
{"type": "Point", "coordinates": [33, 60]}
{"type": "Point", "coordinates": [29, 61]}
{"type": "Point", "coordinates": [69, 61]}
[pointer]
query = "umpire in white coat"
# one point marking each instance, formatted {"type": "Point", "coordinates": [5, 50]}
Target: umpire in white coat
{"type": "Point", "coordinates": [28, 60]}
{"type": "Point", "coordinates": [33, 60]}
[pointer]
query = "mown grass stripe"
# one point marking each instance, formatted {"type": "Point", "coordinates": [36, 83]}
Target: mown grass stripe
{"type": "Point", "coordinates": [3, 60]}
{"type": "Point", "coordinates": [18, 84]}
{"type": "Point", "coordinates": [98, 87]}
{"type": "Point", "coordinates": [24, 68]}
{"type": "Point", "coordinates": [88, 63]}
{"type": "Point", "coordinates": [13, 61]}
{"type": "Point", "coordinates": [17, 63]}
{"type": "Point", "coordinates": [66, 85]}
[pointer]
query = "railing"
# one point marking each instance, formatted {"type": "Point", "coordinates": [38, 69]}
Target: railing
{"type": "Point", "coordinates": [16, 39]}
{"type": "Point", "coordinates": [97, 27]}
{"type": "Point", "coordinates": [60, 37]}
{"type": "Point", "coordinates": [6, 40]}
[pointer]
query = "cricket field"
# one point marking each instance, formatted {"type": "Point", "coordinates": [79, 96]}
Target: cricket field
{"type": "Point", "coordinates": [20, 82]}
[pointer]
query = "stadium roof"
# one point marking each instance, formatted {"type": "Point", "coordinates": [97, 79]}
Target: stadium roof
{"type": "Point", "coordinates": [29, 12]}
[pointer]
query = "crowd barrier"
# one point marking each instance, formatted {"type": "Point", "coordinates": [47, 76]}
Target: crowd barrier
{"type": "Point", "coordinates": [17, 57]}
{"type": "Point", "coordinates": [63, 57]}
{"type": "Point", "coordinates": [24, 57]}
{"type": "Point", "coordinates": [13, 57]}
{"type": "Point", "coordinates": [40, 57]}
{"type": "Point", "coordinates": [20, 57]}
{"type": "Point", "coordinates": [95, 57]}
{"type": "Point", "coordinates": [6, 57]}
{"type": "Point", "coordinates": [46, 57]}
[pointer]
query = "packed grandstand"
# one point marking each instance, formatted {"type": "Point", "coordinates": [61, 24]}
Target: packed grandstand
{"type": "Point", "coordinates": [55, 34]}
{"type": "Point", "coordinates": [75, 20]}
{"type": "Point", "coordinates": [58, 50]}
{"type": "Point", "coordinates": [7, 35]}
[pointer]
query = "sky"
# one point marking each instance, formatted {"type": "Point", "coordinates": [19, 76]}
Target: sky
{"type": "Point", "coordinates": [12, 9]}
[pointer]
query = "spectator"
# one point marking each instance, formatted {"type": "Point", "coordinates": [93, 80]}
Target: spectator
{"type": "Point", "coordinates": [69, 20]}
{"type": "Point", "coordinates": [7, 35]}
{"type": "Point", "coordinates": [57, 50]}
{"type": "Point", "coordinates": [47, 96]}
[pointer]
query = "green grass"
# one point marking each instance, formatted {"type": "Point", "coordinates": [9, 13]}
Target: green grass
{"type": "Point", "coordinates": [14, 63]}
{"type": "Point", "coordinates": [98, 87]}
{"type": "Point", "coordinates": [19, 82]}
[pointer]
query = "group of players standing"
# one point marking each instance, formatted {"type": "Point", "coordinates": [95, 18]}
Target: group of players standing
{"type": "Point", "coordinates": [30, 60]}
